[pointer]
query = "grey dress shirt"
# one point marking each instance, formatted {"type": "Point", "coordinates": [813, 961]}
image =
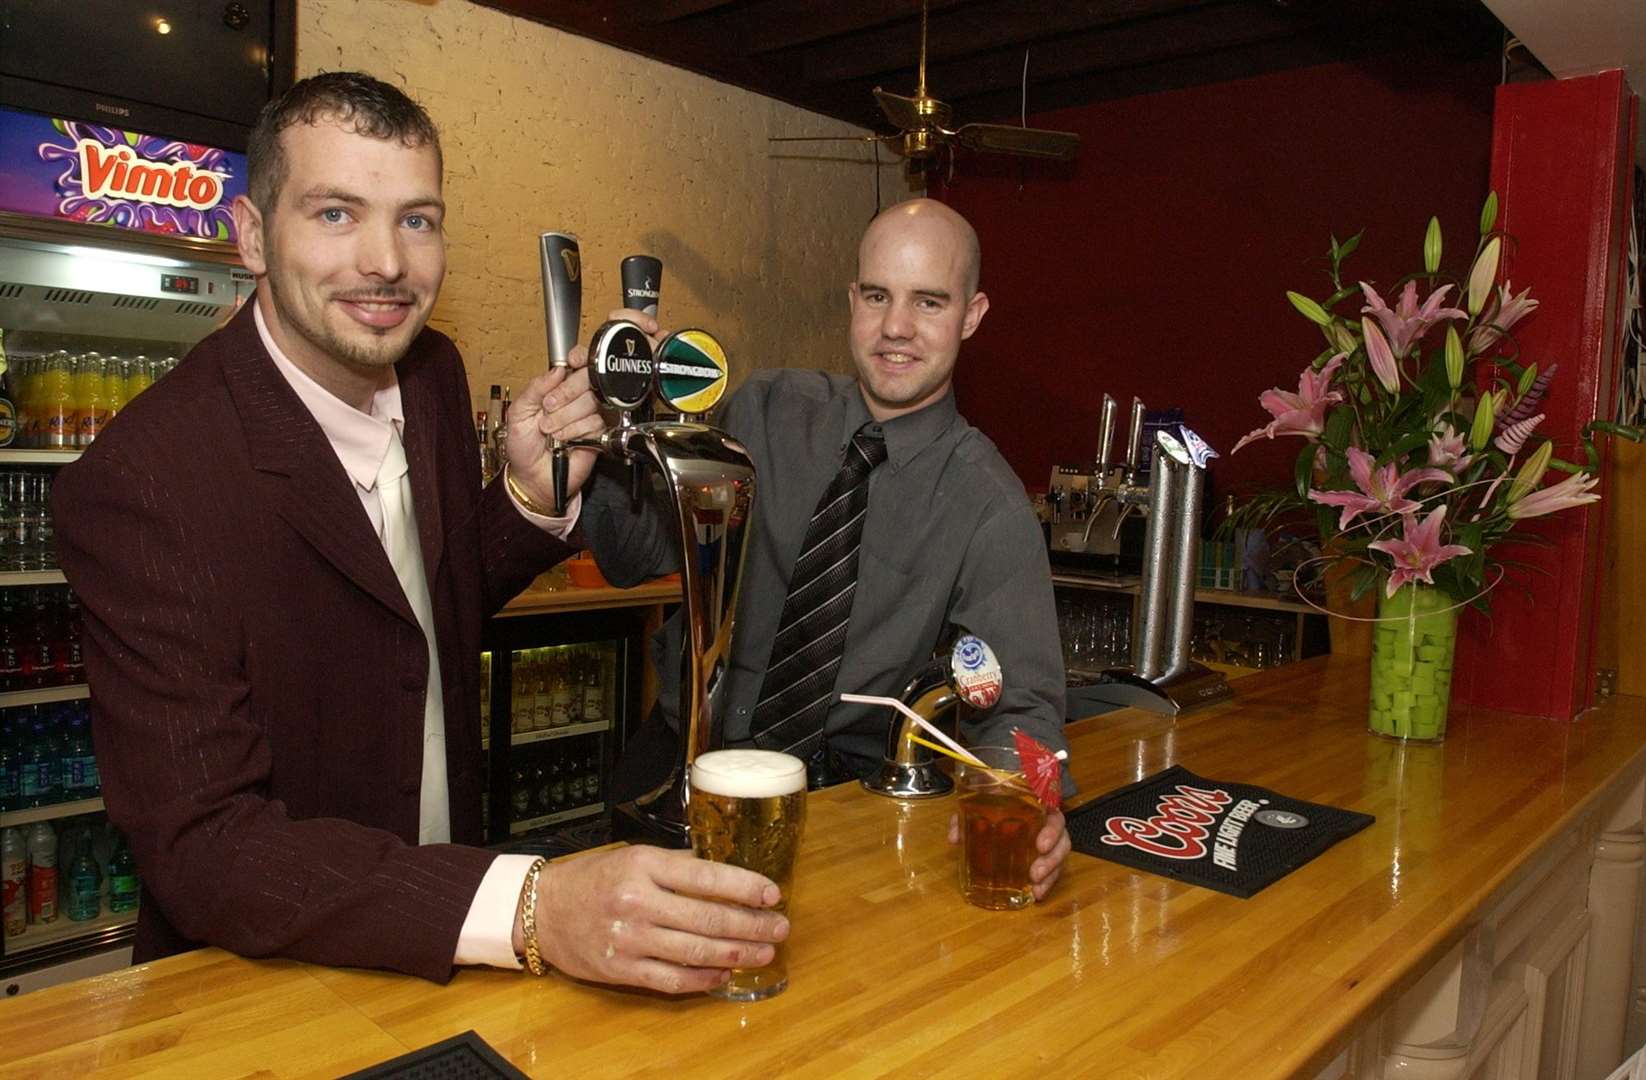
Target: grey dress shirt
{"type": "Point", "coordinates": [949, 537]}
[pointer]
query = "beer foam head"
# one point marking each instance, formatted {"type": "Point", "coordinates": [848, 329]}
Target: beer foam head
{"type": "Point", "coordinates": [748, 774]}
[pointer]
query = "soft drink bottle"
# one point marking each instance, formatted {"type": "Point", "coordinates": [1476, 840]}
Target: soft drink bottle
{"type": "Point", "coordinates": [11, 767]}
{"type": "Point", "coordinates": [42, 873]}
{"type": "Point", "coordinates": [123, 881]}
{"type": "Point", "coordinates": [85, 885]}
{"type": "Point", "coordinates": [14, 874]}
{"type": "Point", "coordinates": [80, 780]}
{"type": "Point", "coordinates": [114, 385]}
{"type": "Point", "coordinates": [91, 408]}
{"type": "Point", "coordinates": [42, 770]}
{"type": "Point", "coordinates": [57, 407]}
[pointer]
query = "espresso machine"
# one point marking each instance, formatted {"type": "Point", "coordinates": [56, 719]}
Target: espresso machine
{"type": "Point", "coordinates": [708, 481]}
{"type": "Point", "coordinates": [1163, 676]}
{"type": "Point", "coordinates": [1087, 519]}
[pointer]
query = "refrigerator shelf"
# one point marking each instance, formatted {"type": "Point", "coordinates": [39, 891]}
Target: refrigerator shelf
{"type": "Point", "coordinates": [44, 695]}
{"type": "Point", "coordinates": [521, 738]}
{"type": "Point", "coordinates": [517, 828]}
{"type": "Point", "coordinates": [38, 457]}
{"type": "Point", "coordinates": [32, 577]}
{"type": "Point", "coordinates": [62, 929]}
{"type": "Point", "coordinates": [13, 818]}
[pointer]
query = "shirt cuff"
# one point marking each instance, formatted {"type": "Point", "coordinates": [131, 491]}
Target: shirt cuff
{"type": "Point", "coordinates": [558, 527]}
{"type": "Point", "coordinates": [487, 936]}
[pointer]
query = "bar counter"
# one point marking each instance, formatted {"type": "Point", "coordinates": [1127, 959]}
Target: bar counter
{"type": "Point", "coordinates": [1488, 911]}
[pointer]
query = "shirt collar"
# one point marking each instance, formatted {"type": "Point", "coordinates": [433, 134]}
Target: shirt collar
{"type": "Point", "coordinates": [907, 435]}
{"type": "Point", "coordinates": [360, 440]}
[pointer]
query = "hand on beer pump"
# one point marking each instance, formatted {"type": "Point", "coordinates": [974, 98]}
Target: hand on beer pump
{"type": "Point", "coordinates": [558, 404]}
{"type": "Point", "coordinates": [663, 920]}
{"type": "Point", "coordinates": [1053, 844]}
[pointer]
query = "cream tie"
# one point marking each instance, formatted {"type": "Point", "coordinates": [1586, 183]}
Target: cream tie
{"type": "Point", "coordinates": [406, 555]}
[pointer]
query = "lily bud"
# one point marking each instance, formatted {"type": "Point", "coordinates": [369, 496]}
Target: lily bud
{"type": "Point", "coordinates": [1380, 356]}
{"type": "Point", "coordinates": [1341, 337]}
{"type": "Point", "coordinates": [1531, 473]}
{"type": "Point", "coordinates": [1527, 378]}
{"type": "Point", "coordinates": [1454, 357]}
{"type": "Point", "coordinates": [1431, 246]}
{"type": "Point", "coordinates": [1485, 419]}
{"type": "Point", "coordinates": [1484, 274]}
{"type": "Point", "coordinates": [1488, 214]}
{"type": "Point", "coordinates": [1308, 308]}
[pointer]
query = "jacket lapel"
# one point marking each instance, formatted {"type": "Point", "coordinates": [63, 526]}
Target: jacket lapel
{"type": "Point", "coordinates": [310, 490]}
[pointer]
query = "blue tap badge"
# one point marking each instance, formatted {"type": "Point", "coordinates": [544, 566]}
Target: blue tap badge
{"type": "Point", "coordinates": [1199, 452]}
{"type": "Point", "coordinates": [976, 671]}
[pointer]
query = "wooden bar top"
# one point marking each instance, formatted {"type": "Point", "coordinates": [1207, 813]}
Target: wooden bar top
{"type": "Point", "coordinates": [1118, 973]}
{"type": "Point", "coordinates": [539, 598]}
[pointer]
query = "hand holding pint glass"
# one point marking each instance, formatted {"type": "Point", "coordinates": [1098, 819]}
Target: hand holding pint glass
{"type": "Point", "coordinates": [747, 808]}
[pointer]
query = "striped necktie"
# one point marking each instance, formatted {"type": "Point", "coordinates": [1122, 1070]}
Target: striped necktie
{"type": "Point", "coordinates": [811, 634]}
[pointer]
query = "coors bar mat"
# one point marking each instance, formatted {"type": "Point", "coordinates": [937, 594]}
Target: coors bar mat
{"type": "Point", "coordinates": [461, 1057]}
{"type": "Point", "coordinates": [1235, 838]}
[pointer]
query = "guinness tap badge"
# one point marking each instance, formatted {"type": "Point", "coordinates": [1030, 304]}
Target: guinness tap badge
{"type": "Point", "coordinates": [573, 262]}
{"type": "Point", "coordinates": [620, 365]}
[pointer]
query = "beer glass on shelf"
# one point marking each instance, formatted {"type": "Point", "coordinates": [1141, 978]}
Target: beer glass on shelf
{"type": "Point", "coordinates": [748, 808]}
{"type": "Point", "coordinates": [999, 820]}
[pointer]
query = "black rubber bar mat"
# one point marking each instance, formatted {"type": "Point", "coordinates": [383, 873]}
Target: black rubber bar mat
{"type": "Point", "coordinates": [461, 1057]}
{"type": "Point", "coordinates": [1235, 838]}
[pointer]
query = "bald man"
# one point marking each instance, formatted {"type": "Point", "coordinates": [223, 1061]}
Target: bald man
{"type": "Point", "coordinates": [948, 534]}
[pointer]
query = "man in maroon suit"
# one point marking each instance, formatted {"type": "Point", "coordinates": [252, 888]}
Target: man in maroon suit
{"type": "Point", "coordinates": [285, 558]}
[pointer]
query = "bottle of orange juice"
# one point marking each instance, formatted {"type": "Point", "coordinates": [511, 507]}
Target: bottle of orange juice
{"type": "Point", "coordinates": [114, 385]}
{"type": "Point", "coordinates": [139, 376]}
{"type": "Point", "coordinates": [91, 409]}
{"type": "Point", "coordinates": [57, 402]}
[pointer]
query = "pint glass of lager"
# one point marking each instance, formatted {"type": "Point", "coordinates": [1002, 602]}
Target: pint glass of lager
{"type": "Point", "coordinates": [999, 820]}
{"type": "Point", "coordinates": [748, 808]}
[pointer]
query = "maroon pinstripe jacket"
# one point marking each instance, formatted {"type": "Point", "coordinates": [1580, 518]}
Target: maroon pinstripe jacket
{"type": "Point", "coordinates": [257, 674]}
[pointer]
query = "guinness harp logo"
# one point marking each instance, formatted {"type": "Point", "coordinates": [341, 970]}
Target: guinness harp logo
{"type": "Point", "coordinates": [628, 345]}
{"type": "Point", "coordinates": [569, 257]}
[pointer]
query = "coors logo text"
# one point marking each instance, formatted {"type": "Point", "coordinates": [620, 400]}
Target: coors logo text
{"type": "Point", "coordinates": [1179, 827]}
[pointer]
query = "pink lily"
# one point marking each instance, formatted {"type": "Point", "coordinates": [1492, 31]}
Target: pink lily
{"type": "Point", "coordinates": [1575, 490]}
{"type": "Point", "coordinates": [1407, 323]}
{"type": "Point", "coordinates": [1419, 551]}
{"type": "Point", "coordinates": [1510, 310]}
{"type": "Point", "coordinates": [1385, 489]}
{"type": "Point", "coordinates": [1447, 451]}
{"type": "Point", "coordinates": [1383, 360]}
{"type": "Point", "coordinates": [1302, 413]}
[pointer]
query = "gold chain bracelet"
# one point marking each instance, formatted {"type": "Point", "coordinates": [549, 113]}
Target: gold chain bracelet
{"type": "Point", "coordinates": [521, 497]}
{"type": "Point", "coordinates": [528, 918]}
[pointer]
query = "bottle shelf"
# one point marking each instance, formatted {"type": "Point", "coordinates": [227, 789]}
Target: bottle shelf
{"type": "Point", "coordinates": [38, 457]}
{"type": "Point", "coordinates": [44, 695]}
{"type": "Point", "coordinates": [517, 828]}
{"type": "Point", "coordinates": [13, 818]}
{"type": "Point", "coordinates": [63, 928]}
{"type": "Point", "coordinates": [31, 577]}
{"type": "Point", "coordinates": [521, 738]}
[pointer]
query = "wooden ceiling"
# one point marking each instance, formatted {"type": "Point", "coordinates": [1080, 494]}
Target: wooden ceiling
{"type": "Point", "coordinates": [827, 55]}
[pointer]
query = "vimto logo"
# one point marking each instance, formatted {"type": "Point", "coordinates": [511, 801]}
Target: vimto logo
{"type": "Point", "coordinates": [116, 172]}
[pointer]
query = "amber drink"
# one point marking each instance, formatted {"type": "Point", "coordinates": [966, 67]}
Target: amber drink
{"type": "Point", "coordinates": [999, 820]}
{"type": "Point", "coordinates": [748, 808]}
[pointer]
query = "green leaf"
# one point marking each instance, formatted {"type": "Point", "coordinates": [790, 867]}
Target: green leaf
{"type": "Point", "coordinates": [1349, 245]}
{"type": "Point", "coordinates": [1303, 471]}
{"type": "Point", "coordinates": [1488, 214]}
{"type": "Point", "coordinates": [1364, 578]}
{"type": "Point", "coordinates": [1339, 425]}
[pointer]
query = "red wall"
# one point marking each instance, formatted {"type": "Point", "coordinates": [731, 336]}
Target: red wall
{"type": "Point", "coordinates": [1156, 265]}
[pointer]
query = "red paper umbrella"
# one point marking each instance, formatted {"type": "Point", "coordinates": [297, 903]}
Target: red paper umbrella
{"type": "Point", "coordinates": [1042, 768]}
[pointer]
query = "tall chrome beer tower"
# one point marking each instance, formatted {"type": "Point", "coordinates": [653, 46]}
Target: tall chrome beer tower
{"type": "Point", "coordinates": [708, 479]}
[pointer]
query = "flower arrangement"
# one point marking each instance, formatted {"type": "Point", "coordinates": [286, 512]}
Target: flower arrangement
{"type": "Point", "coordinates": [1421, 421]}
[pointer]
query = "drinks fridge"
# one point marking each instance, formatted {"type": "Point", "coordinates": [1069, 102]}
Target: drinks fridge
{"type": "Point", "coordinates": [116, 256]}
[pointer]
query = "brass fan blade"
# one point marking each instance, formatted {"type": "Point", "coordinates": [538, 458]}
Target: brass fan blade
{"type": "Point", "coordinates": [1026, 142]}
{"type": "Point", "coordinates": [903, 112]}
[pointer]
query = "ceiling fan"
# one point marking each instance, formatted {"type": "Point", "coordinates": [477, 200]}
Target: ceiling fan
{"type": "Point", "coordinates": [923, 132]}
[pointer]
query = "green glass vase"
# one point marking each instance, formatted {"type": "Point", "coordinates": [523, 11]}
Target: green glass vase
{"type": "Point", "coordinates": [1413, 643]}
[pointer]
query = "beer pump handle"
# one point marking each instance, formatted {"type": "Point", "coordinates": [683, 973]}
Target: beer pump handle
{"type": "Point", "coordinates": [1105, 435]}
{"type": "Point", "coordinates": [642, 277]}
{"type": "Point", "coordinates": [562, 293]}
{"type": "Point", "coordinates": [1134, 439]}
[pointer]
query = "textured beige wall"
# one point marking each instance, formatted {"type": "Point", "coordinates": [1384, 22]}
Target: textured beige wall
{"type": "Point", "coordinates": [544, 130]}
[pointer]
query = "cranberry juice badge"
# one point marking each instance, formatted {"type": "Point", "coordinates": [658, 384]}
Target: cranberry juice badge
{"type": "Point", "coordinates": [56, 168]}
